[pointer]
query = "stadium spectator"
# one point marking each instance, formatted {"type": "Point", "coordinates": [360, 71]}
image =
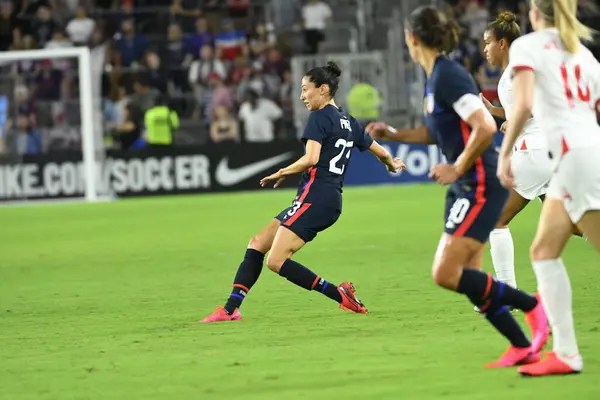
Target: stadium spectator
{"type": "Point", "coordinates": [264, 85]}
{"type": "Point", "coordinates": [129, 132]}
{"type": "Point", "coordinates": [160, 122]}
{"type": "Point", "coordinates": [260, 40]}
{"type": "Point", "coordinates": [185, 12]}
{"type": "Point", "coordinates": [230, 42]}
{"type": "Point", "coordinates": [129, 46]}
{"type": "Point", "coordinates": [42, 25]}
{"type": "Point", "coordinates": [488, 77]}
{"type": "Point", "coordinates": [144, 96]}
{"type": "Point", "coordinates": [48, 81]}
{"type": "Point", "coordinates": [240, 70]}
{"type": "Point", "coordinates": [115, 107]}
{"type": "Point", "coordinates": [200, 38]}
{"type": "Point", "coordinates": [8, 23]}
{"type": "Point", "coordinates": [315, 17]}
{"type": "Point", "coordinates": [27, 140]}
{"type": "Point", "coordinates": [157, 76]}
{"type": "Point", "coordinates": [217, 95]}
{"type": "Point", "coordinates": [211, 9]}
{"type": "Point", "coordinates": [174, 54]}
{"type": "Point", "coordinates": [259, 115]}
{"type": "Point", "coordinates": [224, 127]}
{"type": "Point", "coordinates": [81, 27]}
{"type": "Point", "coordinates": [200, 70]}
{"type": "Point", "coordinates": [59, 41]}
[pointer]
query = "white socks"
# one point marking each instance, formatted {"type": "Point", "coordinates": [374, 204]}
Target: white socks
{"type": "Point", "coordinates": [555, 290]}
{"type": "Point", "coordinates": [503, 255]}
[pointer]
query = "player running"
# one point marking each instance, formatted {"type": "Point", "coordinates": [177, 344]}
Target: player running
{"type": "Point", "coordinates": [458, 122]}
{"type": "Point", "coordinates": [557, 79]}
{"type": "Point", "coordinates": [530, 156]}
{"type": "Point", "coordinates": [330, 135]}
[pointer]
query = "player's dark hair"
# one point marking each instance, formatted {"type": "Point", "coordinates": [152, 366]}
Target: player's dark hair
{"type": "Point", "coordinates": [434, 29]}
{"type": "Point", "coordinates": [505, 27]}
{"type": "Point", "coordinates": [328, 75]}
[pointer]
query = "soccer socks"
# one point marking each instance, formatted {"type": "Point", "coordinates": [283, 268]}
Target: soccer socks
{"type": "Point", "coordinates": [305, 278]}
{"type": "Point", "coordinates": [483, 291]}
{"type": "Point", "coordinates": [246, 276]}
{"type": "Point", "coordinates": [492, 297]}
{"type": "Point", "coordinates": [555, 289]}
{"type": "Point", "coordinates": [503, 255]}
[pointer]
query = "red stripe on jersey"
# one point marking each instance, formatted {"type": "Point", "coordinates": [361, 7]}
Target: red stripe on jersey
{"type": "Point", "coordinates": [297, 215]}
{"type": "Point", "coordinates": [312, 172]}
{"type": "Point", "coordinates": [565, 147]}
{"type": "Point", "coordinates": [479, 190]}
{"type": "Point", "coordinates": [522, 67]}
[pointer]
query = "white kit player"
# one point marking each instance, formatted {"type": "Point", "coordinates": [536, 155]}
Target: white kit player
{"type": "Point", "coordinates": [530, 162]}
{"type": "Point", "coordinates": [557, 79]}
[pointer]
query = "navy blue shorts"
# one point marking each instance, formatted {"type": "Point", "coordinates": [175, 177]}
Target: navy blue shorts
{"type": "Point", "coordinates": [474, 211]}
{"type": "Point", "coordinates": [306, 219]}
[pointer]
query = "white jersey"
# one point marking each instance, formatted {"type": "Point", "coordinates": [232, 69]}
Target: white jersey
{"type": "Point", "coordinates": [530, 137]}
{"type": "Point", "coordinates": [566, 88]}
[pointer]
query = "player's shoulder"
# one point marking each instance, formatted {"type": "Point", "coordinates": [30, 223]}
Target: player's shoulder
{"type": "Point", "coordinates": [451, 71]}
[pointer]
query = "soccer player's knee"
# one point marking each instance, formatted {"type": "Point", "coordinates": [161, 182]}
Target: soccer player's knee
{"type": "Point", "coordinates": [443, 277]}
{"type": "Point", "coordinates": [540, 250]}
{"type": "Point", "coordinates": [260, 243]}
{"type": "Point", "coordinates": [274, 262]}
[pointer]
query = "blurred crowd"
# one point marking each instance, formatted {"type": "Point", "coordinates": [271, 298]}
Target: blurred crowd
{"type": "Point", "coordinates": [217, 64]}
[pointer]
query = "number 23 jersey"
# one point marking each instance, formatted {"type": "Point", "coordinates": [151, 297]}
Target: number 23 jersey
{"type": "Point", "coordinates": [566, 89]}
{"type": "Point", "coordinates": [338, 133]}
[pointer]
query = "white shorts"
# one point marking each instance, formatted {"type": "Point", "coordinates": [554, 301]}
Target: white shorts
{"type": "Point", "coordinates": [533, 170]}
{"type": "Point", "coordinates": [577, 181]}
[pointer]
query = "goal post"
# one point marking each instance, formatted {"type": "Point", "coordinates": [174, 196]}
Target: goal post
{"type": "Point", "coordinates": [86, 105]}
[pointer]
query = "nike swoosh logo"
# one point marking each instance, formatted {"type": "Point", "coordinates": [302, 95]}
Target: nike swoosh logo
{"type": "Point", "coordinates": [229, 177]}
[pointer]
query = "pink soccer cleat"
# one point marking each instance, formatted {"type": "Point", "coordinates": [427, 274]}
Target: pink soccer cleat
{"type": "Point", "coordinates": [220, 315]}
{"type": "Point", "coordinates": [515, 356]}
{"type": "Point", "coordinates": [538, 322]}
{"type": "Point", "coordinates": [552, 365]}
{"type": "Point", "coordinates": [349, 300]}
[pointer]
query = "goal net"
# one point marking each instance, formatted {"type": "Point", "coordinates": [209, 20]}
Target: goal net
{"type": "Point", "coordinates": [51, 138]}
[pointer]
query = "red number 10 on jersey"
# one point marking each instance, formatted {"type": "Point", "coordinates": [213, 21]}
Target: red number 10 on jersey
{"type": "Point", "coordinates": [582, 93]}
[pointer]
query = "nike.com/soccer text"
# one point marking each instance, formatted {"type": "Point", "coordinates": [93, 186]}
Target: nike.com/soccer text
{"type": "Point", "coordinates": [133, 175]}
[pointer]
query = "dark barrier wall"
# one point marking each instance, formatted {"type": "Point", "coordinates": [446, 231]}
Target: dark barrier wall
{"type": "Point", "coordinates": [147, 172]}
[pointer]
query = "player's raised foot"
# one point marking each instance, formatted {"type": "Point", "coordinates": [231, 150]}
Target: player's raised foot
{"type": "Point", "coordinates": [349, 300]}
{"type": "Point", "coordinates": [553, 365]}
{"type": "Point", "coordinates": [220, 315]}
{"type": "Point", "coordinates": [515, 356]}
{"type": "Point", "coordinates": [538, 322]}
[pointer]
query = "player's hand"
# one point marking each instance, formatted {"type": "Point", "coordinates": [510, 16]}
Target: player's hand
{"type": "Point", "coordinates": [397, 166]}
{"type": "Point", "coordinates": [277, 177]}
{"type": "Point", "coordinates": [503, 126]}
{"type": "Point", "coordinates": [377, 130]}
{"type": "Point", "coordinates": [444, 174]}
{"type": "Point", "coordinates": [486, 102]}
{"type": "Point", "coordinates": [505, 173]}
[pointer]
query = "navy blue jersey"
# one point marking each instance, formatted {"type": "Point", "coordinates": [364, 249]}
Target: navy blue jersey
{"type": "Point", "coordinates": [338, 133]}
{"type": "Point", "coordinates": [448, 82]}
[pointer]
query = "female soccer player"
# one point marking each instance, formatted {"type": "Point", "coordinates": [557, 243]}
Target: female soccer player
{"type": "Point", "coordinates": [458, 122]}
{"type": "Point", "coordinates": [530, 156]}
{"type": "Point", "coordinates": [330, 135]}
{"type": "Point", "coordinates": [557, 79]}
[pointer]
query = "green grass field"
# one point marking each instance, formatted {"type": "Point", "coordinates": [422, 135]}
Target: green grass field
{"type": "Point", "coordinates": [101, 301]}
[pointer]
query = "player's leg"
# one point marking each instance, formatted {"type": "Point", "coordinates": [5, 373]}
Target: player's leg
{"type": "Point", "coordinates": [490, 295]}
{"type": "Point", "coordinates": [590, 227]}
{"type": "Point", "coordinates": [554, 230]}
{"type": "Point", "coordinates": [280, 261]}
{"type": "Point", "coordinates": [502, 248]}
{"type": "Point", "coordinates": [247, 274]}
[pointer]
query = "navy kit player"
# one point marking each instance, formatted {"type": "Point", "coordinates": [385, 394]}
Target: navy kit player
{"type": "Point", "coordinates": [457, 121]}
{"type": "Point", "coordinates": [329, 136]}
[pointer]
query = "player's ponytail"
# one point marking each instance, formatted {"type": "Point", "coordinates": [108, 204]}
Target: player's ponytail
{"type": "Point", "coordinates": [505, 27]}
{"type": "Point", "coordinates": [434, 29]}
{"type": "Point", "coordinates": [563, 15]}
{"type": "Point", "coordinates": [569, 28]}
{"type": "Point", "coordinates": [327, 75]}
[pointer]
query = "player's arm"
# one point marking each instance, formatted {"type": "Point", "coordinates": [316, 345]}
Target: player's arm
{"type": "Point", "coordinates": [483, 129]}
{"type": "Point", "coordinates": [309, 159]}
{"type": "Point", "coordinates": [392, 164]}
{"type": "Point", "coordinates": [494, 110]}
{"type": "Point", "coordinates": [383, 131]}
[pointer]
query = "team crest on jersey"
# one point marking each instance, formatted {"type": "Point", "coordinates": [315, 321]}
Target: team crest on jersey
{"type": "Point", "coordinates": [429, 104]}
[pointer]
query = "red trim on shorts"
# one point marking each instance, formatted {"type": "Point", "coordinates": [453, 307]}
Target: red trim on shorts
{"type": "Point", "coordinates": [241, 287]}
{"type": "Point", "coordinates": [522, 68]}
{"type": "Point", "coordinates": [479, 190]}
{"type": "Point", "coordinates": [300, 211]}
{"type": "Point", "coordinates": [312, 172]}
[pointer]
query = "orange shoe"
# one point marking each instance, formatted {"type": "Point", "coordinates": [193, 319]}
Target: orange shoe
{"type": "Point", "coordinates": [538, 322]}
{"type": "Point", "coordinates": [221, 315]}
{"type": "Point", "coordinates": [349, 300]}
{"type": "Point", "coordinates": [515, 356]}
{"type": "Point", "coordinates": [552, 365]}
